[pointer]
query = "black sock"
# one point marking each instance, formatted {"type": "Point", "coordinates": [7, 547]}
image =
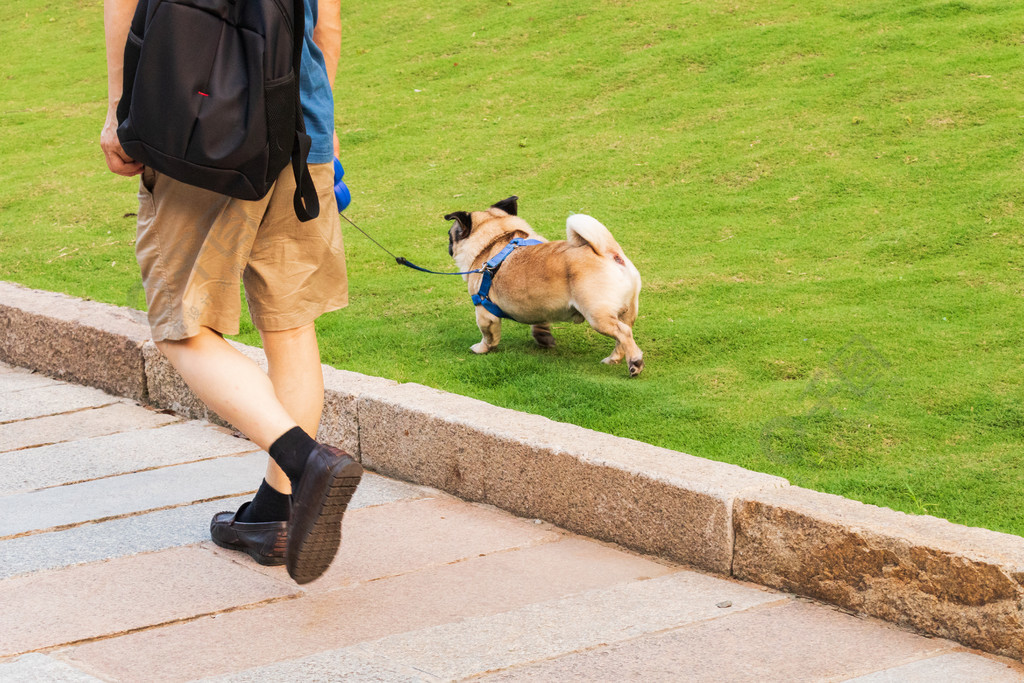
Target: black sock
{"type": "Point", "coordinates": [290, 452]}
{"type": "Point", "coordinates": [268, 505]}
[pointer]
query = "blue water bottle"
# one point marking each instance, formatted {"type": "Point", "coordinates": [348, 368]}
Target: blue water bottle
{"type": "Point", "coordinates": [341, 192]}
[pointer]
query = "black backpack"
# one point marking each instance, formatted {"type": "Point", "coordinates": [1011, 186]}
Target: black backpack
{"type": "Point", "coordinates": [211, 95]}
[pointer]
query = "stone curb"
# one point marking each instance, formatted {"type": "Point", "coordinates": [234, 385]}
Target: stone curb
{"type": "Point", "coordinates": [923, 572]}
{"type": "Point", "coordinates": [48, 332]}
{"type": "Point", "coordinates": [339, 424]}
{"type": "Point", "coordinates": [634, 494]}
{"type": "Point", "coordinates": [939, 578]}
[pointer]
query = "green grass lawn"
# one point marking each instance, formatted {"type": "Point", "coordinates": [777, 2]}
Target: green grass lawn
{"type": "Point", "coordinates": [823, 198]}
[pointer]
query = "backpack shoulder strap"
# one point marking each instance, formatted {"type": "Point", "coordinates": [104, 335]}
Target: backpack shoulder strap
{"type": "Point", "coordinates": [307, 204]}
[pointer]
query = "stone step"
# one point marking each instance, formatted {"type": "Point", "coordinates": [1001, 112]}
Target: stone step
{"type": "Point", "coordinates": [681, 627]}
{"type": "Point", "coordinates": [441, 593]}
{"type": "Point", "coordinates": [42, 668]}
{"type": "Point", "coordinates": [958, 666]}
{"type": "Point", "coordinates": [539, 631]}
{"type": "Point", "coordinates": [129, 494]}
{"type": "Point", "coordinates": [793, 641]}
{"type": "Point", "coordinates": [122, 453]}
{"type": "Point", "coordinates": [49, 399]}
{"type": "Point", "coordinates": [18, 379]}
{"type": "Point", "coordinates": [84, 424]}
{"type": "Point", "coordinates": [153, 531]}
{"type": "Point", "coordinates": [115, 597]}
{"type": "Point", "coordinates": [115, 538]}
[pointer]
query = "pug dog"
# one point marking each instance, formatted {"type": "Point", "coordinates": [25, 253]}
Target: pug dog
{"type": "Point", "coordinates": [585, 277]}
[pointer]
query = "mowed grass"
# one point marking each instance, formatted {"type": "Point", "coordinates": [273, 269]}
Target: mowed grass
{"type": "Point", "coordinates": [824, 200]}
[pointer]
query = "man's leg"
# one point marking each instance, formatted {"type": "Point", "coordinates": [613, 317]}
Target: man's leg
{"type": "Point", "coordinates": [231, 385]}
{"type": "Point", "coordinates": [314, 527]}
{"type": "Point", "coordinates": [296, 379]}
{"type": "Point", "coordinates": [293, 357]}
{"type": "Point", "coordinates": [239, 391]}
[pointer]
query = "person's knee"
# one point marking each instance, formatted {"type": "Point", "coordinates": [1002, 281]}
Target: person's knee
{"type": "Point", "coordinates": [286, 336]}
{"type": "Point", "coordinates": [169, 347]}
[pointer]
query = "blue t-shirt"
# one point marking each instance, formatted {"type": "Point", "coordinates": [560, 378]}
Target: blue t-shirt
{"type": "Point", "coordinates": [317, 98]}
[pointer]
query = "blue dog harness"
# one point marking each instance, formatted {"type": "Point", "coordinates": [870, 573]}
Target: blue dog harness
{"type": "Point", "coordinates": [490, 268]}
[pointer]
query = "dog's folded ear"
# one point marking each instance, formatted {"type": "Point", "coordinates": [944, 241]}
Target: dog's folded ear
{"type": "Point", "coordinates": [465, 222]}
{"type": "Point", "coordinates": [509, 205]}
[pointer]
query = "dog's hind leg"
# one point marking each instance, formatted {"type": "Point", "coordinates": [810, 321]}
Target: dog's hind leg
{"type": "Point", "coordinates": [629, 315]}
{"type": "Point", "coordinates": [625, 346]}
{"type": "Point", "coordinates": [542, 335]}
{"type": "Point", "coordinates": [490, 328]}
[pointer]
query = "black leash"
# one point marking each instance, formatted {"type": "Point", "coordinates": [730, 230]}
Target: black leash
{"type": "Point", "coordinates": [401, 260]}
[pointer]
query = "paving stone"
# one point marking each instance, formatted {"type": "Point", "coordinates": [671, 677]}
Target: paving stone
{"type": "Point", "coordinates": [93, 600]}
{"type": "Point", "coordinates": [20, 379]}
{"type": "Point", "coordinates": [82, 341]}
{"type": "Point", "coordinates": [432, 532]}
{"type": "Point", "coordinates": [84, 424]}
{"type": "Point", "coordinates": [50, 400]}
{"type": "Point", "coordinates": [651, 499]}
{"type": "Point", "coordinates": [961, 667]}
{"type": "Point", "coordinates": [377, 490]}
{"type": "Point", "coordinates": [794, 641]}
{"type": "Point", "coordinates": [340, 665]}
{"type": "Point", "coordinates": [539, 631]}
{"type": "Point", "coordinates": [121, 453]}
{"type": "Point", "coordinates": [130, 493]}
{"type": "Point", "coordinates": [367, 611]}
{"type": "Point", "coordinates": [116, 454]}
{"type": "Point", "coordinates": [578, 622]}
{"type": "Point", "coordinates": [148, 532]}
{"type": "Point", "coordinates": [39, 668]}
{"type": "Point", "coordinates": [155, 531]}
{"type": "Point", "coordinates": [926, 573]}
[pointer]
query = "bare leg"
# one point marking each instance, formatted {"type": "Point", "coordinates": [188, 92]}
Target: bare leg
{"type": "Point", "coordinates": [231, 385]}
{"type": "Point", "coordinates": [490, 327]}
{"type": "Point", "coordinates": [295, 371]}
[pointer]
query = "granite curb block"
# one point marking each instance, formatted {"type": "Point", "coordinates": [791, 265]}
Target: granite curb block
{"type": "Point", "coordinates": [338, 426]}
{"type": "Point", "coordinates": [46, 331]}
{"type": "Point", "coordinates": [921, 572]}
{"type": "Point", "coordinates": [643, 497]}
{"type": "Point", "coordinates": [940, 578]}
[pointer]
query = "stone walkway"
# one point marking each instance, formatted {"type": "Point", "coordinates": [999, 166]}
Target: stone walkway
{"type": "Point", "coordinates": [107, 573]}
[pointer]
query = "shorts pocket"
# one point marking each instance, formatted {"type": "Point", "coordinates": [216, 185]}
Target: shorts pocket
{"type": "Point", "coordinates": [147, 183]}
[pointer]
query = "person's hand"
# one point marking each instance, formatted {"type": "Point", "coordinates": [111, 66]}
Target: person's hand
{"type": "Point", "coordinates": [337, 146]}
{"type": "Point", "coordinates": [117, 161]}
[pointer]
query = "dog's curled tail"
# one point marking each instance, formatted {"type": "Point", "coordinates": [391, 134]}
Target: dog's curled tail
{"type": "Point", "coordinates": [582, 230]}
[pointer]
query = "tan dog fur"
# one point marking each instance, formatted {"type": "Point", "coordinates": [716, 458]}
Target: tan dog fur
{"type": "Point", "coordinates": [585, 277]}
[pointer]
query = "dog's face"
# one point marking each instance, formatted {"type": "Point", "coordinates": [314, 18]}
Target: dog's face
{"type": "Point", "coordinates": [462, 229]}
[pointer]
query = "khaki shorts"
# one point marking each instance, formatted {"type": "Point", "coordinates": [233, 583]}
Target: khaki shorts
{"type": "Point", "coordinates": [194, 246]}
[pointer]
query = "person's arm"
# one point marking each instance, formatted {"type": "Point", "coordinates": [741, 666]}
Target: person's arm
{"type": "Point", "coordinates": [117, 19]}
{"type": "Point", "coordinates": [327, 36]}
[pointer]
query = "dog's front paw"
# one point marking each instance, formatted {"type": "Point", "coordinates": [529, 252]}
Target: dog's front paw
{"type": "Point", "coordinates": [480, 347]}
{"type": "Point", "coordinates": [612, 360]}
